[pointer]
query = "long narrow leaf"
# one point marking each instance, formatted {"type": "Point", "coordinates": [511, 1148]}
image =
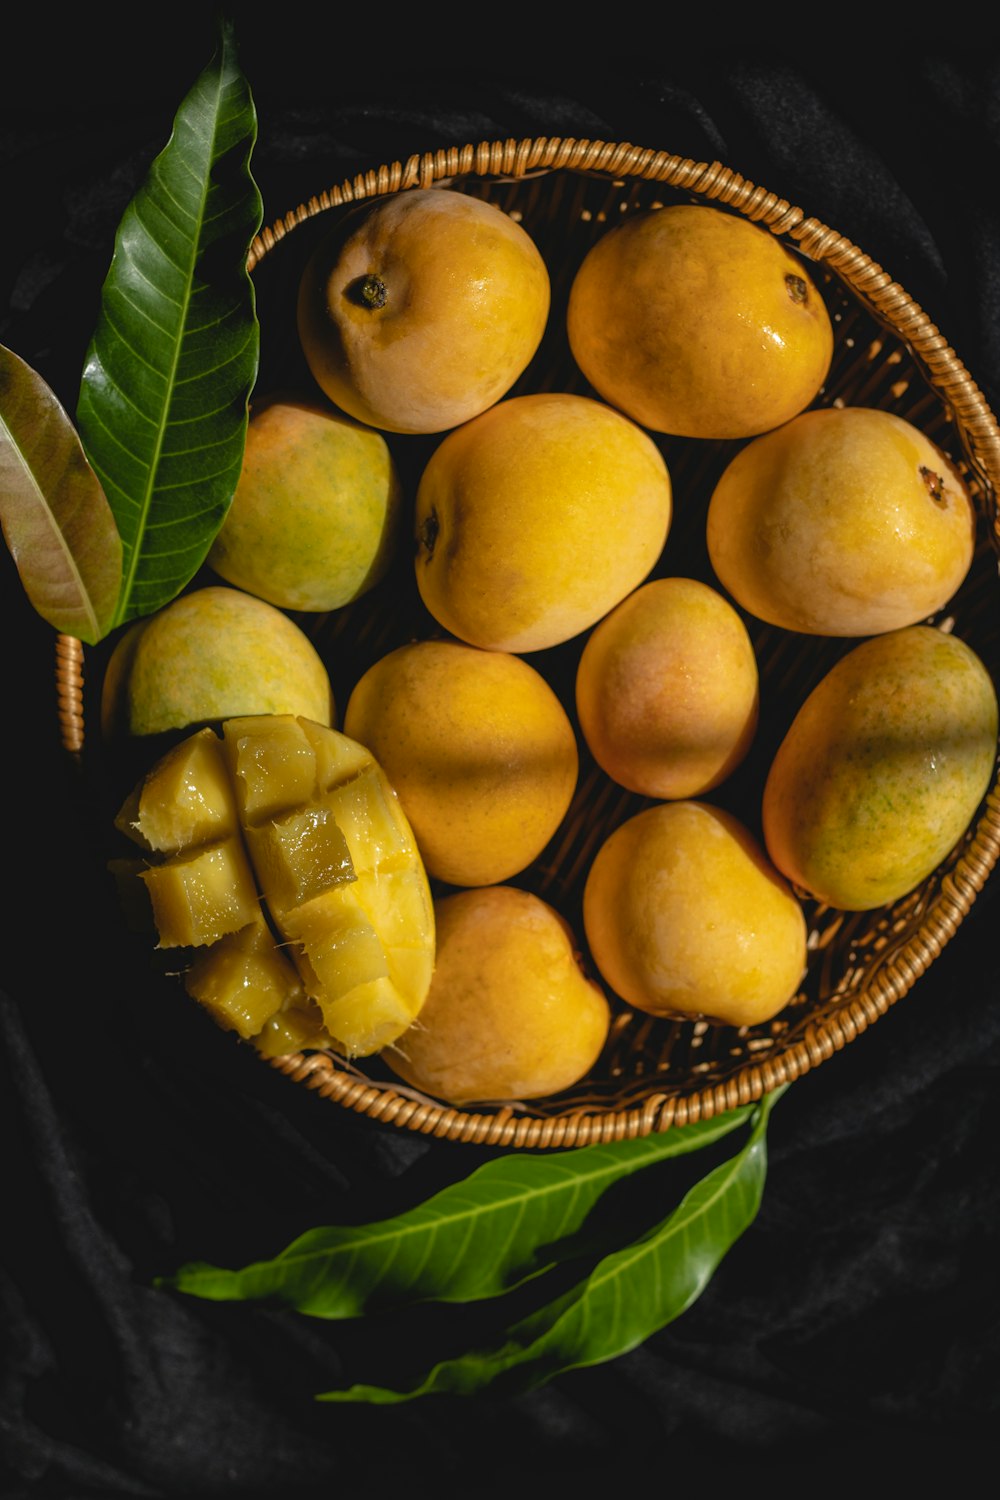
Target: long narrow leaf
{"type": "Point", "coordinates": [508, 1221]}
{"type": "Point", "coordinates": [628, 1296]}
{"type": "Point", "coordinates": [55, 516]}
{"type": "Point", "coordinates": [166, 384]}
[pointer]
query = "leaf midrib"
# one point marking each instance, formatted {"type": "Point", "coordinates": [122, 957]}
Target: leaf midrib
{"type": "Point", "coordinates": [679, 1221]}
{"type": "Point", "coordinates": [128, 578]}
{"type": "Point", "coordinates": [54, 529]}
{"type": "Point", "coordinates": [519, 1199]}
{"type": "Point", "coordinates": [526, 1341]}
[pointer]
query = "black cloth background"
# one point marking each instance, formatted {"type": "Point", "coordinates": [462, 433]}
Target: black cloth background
{"type": "Point", "coordinates": [856, 1322]}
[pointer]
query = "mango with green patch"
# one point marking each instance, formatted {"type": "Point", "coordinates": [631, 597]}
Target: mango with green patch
{"type": "Point", "coordinates": [882, 768]}
{"type": "Point", "coordinates": [314, 522]}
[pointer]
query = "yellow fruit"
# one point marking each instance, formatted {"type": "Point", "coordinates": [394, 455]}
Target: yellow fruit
{"type": "Point", "coordinates": [882, 768]}
{"type": "Point", "coordinates": [696, 322]}
{"type": "Point", "coordinates": [185, 801]}
{"type": "Point", "coordinates": [686, 917]}
{"type": "Point", "coordinates": [245, 982]}
{"type": "Point", "coordinates": [315, 518]}
{"type": "Point", "coordinates": [510, 1013]}
{"type": "Point", "coordinates": [208, 656]}
{"type": "Point", "coordinates": [201, 895]}
{"type": "Point", "coordinates": [422, 309]}
{"type": "Point", "coordinates": [479, 748]}
{"type": "Point", "coordinates": [281, 854]}
{"type": "Point", "coordinates": [534, 519]}
{"type": "Point", "coordinates": [297, 1027]}
{"type": "Point", "coordinates": [667, 689]}
{"type": "Point", "coordinates": [845, 522]}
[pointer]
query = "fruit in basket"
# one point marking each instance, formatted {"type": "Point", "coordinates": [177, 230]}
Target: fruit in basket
{"type": "Point", "coordinates": [536, 518]}
{"type": "Point", "coordinates": [479, 748]}
{"type": "Point", "coordinates": [510, 1013]}
{"type": "Point", "coordinates": [207, 656]}
{"type": "Point", "coordinates": [882, 768]}
{"type": "Point", "coordinates": [687, 917]}
{"type": "Point", "coordinates": [847, 521]}
{"type": "Point", "coordinates": [422, 309]}
{"type": "Point", "coordinates": [315, 518]}
{"type": "Point", "coordinates": [667, 690]}
{"type": "Point", "coordinates": [696, 322]}
{"type": "Point", "coordinates": [281, 867]}
{"type": "Point", "coordinates": [248, 985]}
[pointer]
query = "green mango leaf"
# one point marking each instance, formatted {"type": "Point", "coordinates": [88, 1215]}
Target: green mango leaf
{"type": "Point", "coordinates": [56, 519]}
{"type": "Point", "coordinates": [508, 1221]}
{"type": "Point", "coordinates": [166, 384]}
{"type": "Point", "coordinates": [628, 1296]}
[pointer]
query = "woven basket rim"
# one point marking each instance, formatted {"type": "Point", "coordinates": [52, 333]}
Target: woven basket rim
{"type": "Point", "coordinates": [515, 159]}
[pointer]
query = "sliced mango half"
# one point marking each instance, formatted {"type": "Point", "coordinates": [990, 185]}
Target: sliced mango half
{"type": "Point", "coordinates": [280, 854]}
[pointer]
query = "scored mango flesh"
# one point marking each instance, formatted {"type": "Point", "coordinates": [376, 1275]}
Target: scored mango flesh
{"type": "Point", "coordinates": [279, 855]}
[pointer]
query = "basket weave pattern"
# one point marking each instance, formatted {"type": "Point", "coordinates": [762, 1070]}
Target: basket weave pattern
{"type": "Point", "coordinates": [655, 1073]}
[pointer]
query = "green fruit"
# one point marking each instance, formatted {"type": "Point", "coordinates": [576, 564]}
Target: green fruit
{"type": "Point", "coordinates": [315, 518]}
{"type": "Point", "coordinates": [212, 654]}
{"type": "Point", "coordinates": [882, 768]}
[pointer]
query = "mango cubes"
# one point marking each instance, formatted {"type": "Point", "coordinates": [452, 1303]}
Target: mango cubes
{"type": "Point", "coordinates": [280, 862]}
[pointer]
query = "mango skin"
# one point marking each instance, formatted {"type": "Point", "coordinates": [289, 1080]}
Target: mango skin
{"type": "Point", "coordinates": [845, 522]}
{"type": "Point", "coordinates": [882, 768]}
{"type": "Point", "coordinates": [687, 918]}
{"type": "Point", "coordinates": [667, 689]}
{"type": "Point", "coordinates": [536, 518]}
{"type": "Point", "coordinates": [466, 303]}
{"type": "Point", "coordinates": [212, 654]}
{"type": "Point", "coordinates": [316, 514]}
{"type": "Point", "coordinates": [479, 749]}
{"type": "Point", "coordinates": [510, 1013]}
{"type": "Point", "coordinates": [696, 322]}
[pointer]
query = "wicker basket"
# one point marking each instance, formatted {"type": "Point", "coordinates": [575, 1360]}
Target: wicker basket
{"type": "Point", "coordinates": [656, 1073]}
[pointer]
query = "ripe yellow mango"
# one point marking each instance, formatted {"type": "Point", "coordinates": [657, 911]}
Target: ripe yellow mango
{"type": "Point", "coordinates": [421, 309]}
{"type": "Point", "coordinates": [847, 521]}
{"type": "Point", "coordinates": [694, 321]}
{"type": "Point", "coordinates": [667, 689]}
{"type": "Point", "coordinates": [687, 917]}
{"type": "Point", "coordinates": [882, 768]}
{"type": "Point", "coordinates": [478, 746]}
{"type": "Point", "coordinates": [536, 518]}
{"type": "Point", "coordinates": [511, 1014]}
